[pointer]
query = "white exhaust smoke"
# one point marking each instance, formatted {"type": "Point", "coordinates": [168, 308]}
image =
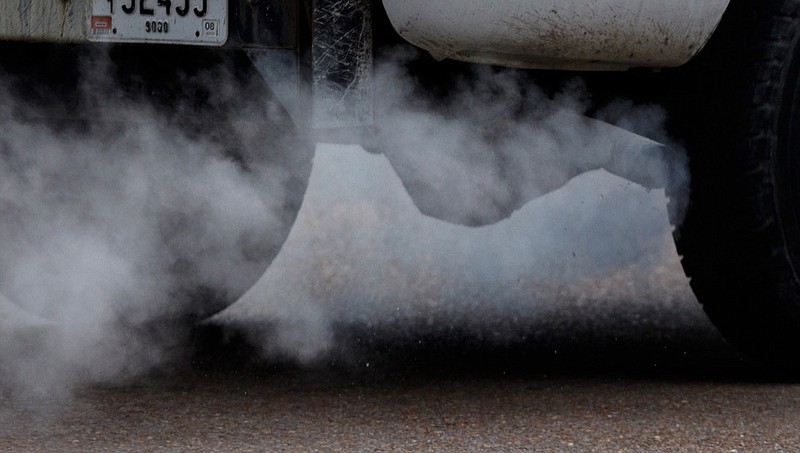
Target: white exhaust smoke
{"type": "Point", "coordinates": [361, 255]}
{"type": "Point", "coordinates": [496, 148]}
{"type": "Point", "coordinates": [85, 246]}
{"type": "Point", "coordinates": [498, 141]}
{"type": "Point", "coordinates": [108, 223]}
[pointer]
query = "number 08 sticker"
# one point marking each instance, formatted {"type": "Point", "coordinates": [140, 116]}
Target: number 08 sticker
{"type": "Point", "coordinates": [198, 22]}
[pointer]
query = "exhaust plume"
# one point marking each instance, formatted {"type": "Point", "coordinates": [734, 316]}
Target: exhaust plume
{"type": "Point", "coordinates": [96, 221]}
{"type": "Point", "coordinates": [497, 141]}
{"type": "Point", "coordinates": [124, 223]}
{"type": "Point", "coordinates": [543, 183]}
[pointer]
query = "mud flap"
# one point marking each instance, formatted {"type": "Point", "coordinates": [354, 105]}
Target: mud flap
{"type": "Point", "coordinates": [327, 88]}
{"type": "Point", "coordinates": [342, 63]}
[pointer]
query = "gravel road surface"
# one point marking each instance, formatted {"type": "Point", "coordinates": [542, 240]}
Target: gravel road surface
{"type": "Point", "coordinates": [669, 384]}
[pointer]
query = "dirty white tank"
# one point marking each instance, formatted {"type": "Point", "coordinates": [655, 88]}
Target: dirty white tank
{"type": "Point", "coordinates": [559, 34]}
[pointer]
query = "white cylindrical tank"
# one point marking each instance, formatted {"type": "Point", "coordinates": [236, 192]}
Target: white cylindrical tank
{"type": "Point", "coordinates": [559, 34]}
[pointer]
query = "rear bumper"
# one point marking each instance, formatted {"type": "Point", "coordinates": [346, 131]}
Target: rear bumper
{"type": "Point", "coordinates": [564, 34]}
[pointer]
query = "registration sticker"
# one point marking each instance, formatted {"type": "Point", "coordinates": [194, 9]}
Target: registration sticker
{"type": "Point", "coordinates": [101, 25]}
{"type": "Point", "coordinates": [198, 22]}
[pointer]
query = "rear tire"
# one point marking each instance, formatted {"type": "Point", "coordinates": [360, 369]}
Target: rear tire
{"type": "Point", "coordinates": [740, 240]}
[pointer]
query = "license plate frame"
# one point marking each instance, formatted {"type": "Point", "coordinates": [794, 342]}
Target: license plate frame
{"type": "Point", "coordinates": [188, 22]}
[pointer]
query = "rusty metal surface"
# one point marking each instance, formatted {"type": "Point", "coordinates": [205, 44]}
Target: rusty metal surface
{"type": "Point", "coordinates": [559, 34]}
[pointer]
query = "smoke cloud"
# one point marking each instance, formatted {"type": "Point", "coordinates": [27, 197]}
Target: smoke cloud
{"type": "Point", "coordinates": [525, 202]}
{"type": "Point", "coordinates": [117, 227]}
{"type": "Point", "coordinates": [120, 225]}
{"type": "Point", "coordinates": [361, 255]}
{"type": "Point", "coordinates": [497, 141]}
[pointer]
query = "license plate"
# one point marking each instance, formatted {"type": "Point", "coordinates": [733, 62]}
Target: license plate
{"type": "Point", "coordinates": [199, 22]}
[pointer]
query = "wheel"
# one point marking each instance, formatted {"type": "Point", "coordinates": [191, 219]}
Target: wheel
{"type": "Point", "coordinates": [740, 240]}
{"type": "Point", "coordinates": [145, 182]}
